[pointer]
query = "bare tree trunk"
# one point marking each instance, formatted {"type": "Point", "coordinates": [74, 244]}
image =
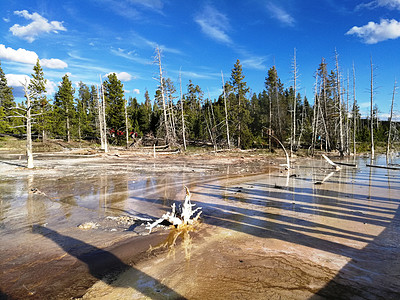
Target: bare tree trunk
{"type": "Point", "coordinates": [270, 121]}
{"type": "Point", "coordinates": [347, 148]}
{"type": "Point", "coordinates": [161, 80]}
{"type": "Point", "coordinates": [103, 106]}
{"type": "Point", "coordinates": [315, 117]}
{"type": "Point", "coordinates": [354, 111]}
{"type": "Point", "coordinates": [293, 139]}
{"type": "Point", "coordinates": [100, 117]}
{"type": "Point", "coordinates": [372, 112]}
{"type": "Point", "coordinates": [339, 103]}
{"type": "Point", "coordinates": [29, 152]}
{"type": "Point", "coordinates": [390, 119]}
{"type": "Point", "coordinates": [182, 115]}
{"type": "Point", "coordinates": [126, 123]}
{"type": "Point", "coordinates": [68, 127]}
{"type": "Point", "coordinates": [226, 112]}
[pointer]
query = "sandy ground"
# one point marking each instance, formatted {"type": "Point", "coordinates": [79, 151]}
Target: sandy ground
{"type": "Point", "coordinates": [273, 235]}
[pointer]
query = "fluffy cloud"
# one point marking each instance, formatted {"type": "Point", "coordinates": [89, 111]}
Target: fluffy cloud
{"type": "Point", "coordinates": [136, 91]}
{"type": "Point", "coordinates": [280, 14]}
{"type": "Point", "coordinates": [123, 76]}
{"type": "Point", "coordinates": [214, 24]}
{"type": "Point", "coordinates": [53, 63]}
{"type": "Point", "coordinates": [29, 57]}
{"type": "Point", "coordinates": [38, 26]}
{"type": "Point", "coordinates": [373, 33]}
{"type": "Point", "coordinates": [17, 80]}
{"type": "Point", "coordinates": [20, 55]}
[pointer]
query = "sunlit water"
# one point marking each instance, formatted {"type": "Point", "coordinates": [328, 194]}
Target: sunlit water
{"type": "Point", "coordinates": [343, 215]}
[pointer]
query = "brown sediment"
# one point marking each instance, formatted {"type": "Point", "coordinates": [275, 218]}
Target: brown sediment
{"type": "Point", "coordinates": [266, 236]}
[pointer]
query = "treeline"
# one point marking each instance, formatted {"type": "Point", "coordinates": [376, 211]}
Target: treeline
{"type": "Point", "coordinates": [179, 116]}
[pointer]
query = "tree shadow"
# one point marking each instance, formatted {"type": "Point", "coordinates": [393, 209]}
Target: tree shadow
{"type": "Point", "coordinates": [12, 164]}
{"type": "Point", "coordinates": [101, 263]}
{"type": "Point", "coordinates": [367, 277]}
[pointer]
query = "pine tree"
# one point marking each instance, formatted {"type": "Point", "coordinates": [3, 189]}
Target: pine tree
{"type": "Point", "coordinates": [6, 104]}
{"type": "Point", "coordinates": [240, 106]}
{"type": "Point", "coordinates": [115, 106]}
{"type": "Point", "coordinates": [64, 102]}
{"type": "Point", "coordinates": [40, 104]}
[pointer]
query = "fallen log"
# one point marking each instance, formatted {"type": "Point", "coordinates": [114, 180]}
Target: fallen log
{"type": "Point", "coordinates": [382, 167]}
{"type": "Point", "coordinates": [345, 164]}
{"type": "Point", "coordinates": [331, 162]}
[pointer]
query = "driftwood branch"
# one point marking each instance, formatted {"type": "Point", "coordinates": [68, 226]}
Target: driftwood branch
{"type": "Point", "coordinates": [383, 167]}
{"type": "Point", "coordinates": [185, 216]}
{"type": "Point", "coordinates": [331, 162]}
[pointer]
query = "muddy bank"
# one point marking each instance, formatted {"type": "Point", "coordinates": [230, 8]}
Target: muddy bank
{"type": "Point", "coordinates": [280, 236]}
{"type": "Point", "coordinates": [273, 235]}
{"type": "Point", "coordinates": [60, 222]}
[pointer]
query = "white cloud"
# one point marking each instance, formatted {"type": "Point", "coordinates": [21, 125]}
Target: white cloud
{"type": "Point", "coordinates": [136, 91]}
{"type": "Point", "coordinates": [214, 24]}
{"type": "Point", "coordinates": [256, 63]}
{"type": "Point", "coordinates": [20, 55]}
{"type": "Point", "coordinates": [17, 80]}
{"type": "Point", "coordinates": [38, 26]}
{"type": "Point", "coordinates": [123, 76]}
{"type": "Point", "coordinates": [391, 4]}
{"type": "Point", "coordinates": [29, 57]}
{"type": "Point", "coordinates": [6, 20]}
{"type": "Point", "coordinates": [131, 56]}
{"type": "Point", "coordinates": [280, 14]}
{"type": "Point", "coordinates": [373, 33]}
{"type": "Point", "coordinates": [53, 63]}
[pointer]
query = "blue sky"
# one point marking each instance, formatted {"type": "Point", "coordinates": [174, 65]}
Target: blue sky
{"type": "Point", "coordinates": [89, 38]}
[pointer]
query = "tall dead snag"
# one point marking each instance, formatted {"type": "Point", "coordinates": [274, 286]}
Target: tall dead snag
{"type": "Point", "coordinates": [182, 115]}
{"type": "Point", "coordinates": [126, 123]}
{"type": "Point", "coordinates": [295, 76]}
{"type": "Point", "coordinates": [185, 215]}
{"type": "Point", "coordinates": [226, 112]}
{"type": "Point", "coordinates": [100, 118]}
{"type": "Point", "coordinates": [354, 111]}
{"type": "Point", "coordinates": [372, 111]}
{"type": "Point", "coordinates": [339, 105]}
{"type": "Point", "coordinates": [390, 120]}
{"type": "Point", "coordinates": [29, 152]}
{"type": "Point", "coordinates": [164, 106]}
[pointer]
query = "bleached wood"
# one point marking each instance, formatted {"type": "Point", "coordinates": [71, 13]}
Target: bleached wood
{"type": "Point", "coordinates": [184, 217]}
{"type": "Point", "coordinates": [331, 162]}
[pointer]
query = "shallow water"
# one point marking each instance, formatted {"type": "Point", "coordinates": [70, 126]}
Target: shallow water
{"type": "Point", "coordinates": [343, 224]}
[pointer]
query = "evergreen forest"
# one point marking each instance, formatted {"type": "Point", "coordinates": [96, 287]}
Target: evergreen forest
{"type": "Point", "coordinates": [183, 115]}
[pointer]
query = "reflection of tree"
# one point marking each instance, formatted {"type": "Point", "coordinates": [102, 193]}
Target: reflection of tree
{"type": "Point", "coordinates": [5, 204]}
{"type": "Point", "coordinates": [170, 242]}
{"type": "Point", "coordinates": [36, 208]}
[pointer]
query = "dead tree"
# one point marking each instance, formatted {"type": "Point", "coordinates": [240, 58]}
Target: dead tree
{"type": "Point", "coordinates": [226, 112]}
{"type": "Point", "coordinates": [126, 123]}
{"type": "Point", "coordinates": [161, 81]}
{"type": "Point", "coordinates": [26, 113]}
{"type": "Point", "coordinates": [339, 105]}
{"type": "Point", "coordinates": [354, 111]}
{"type": "Point", "coordinates": [372, 111]}
{"type": "Point", "coordinates": [390, 120]}
{"type": "Point", "coordinates": [182, 115]}
{"type": "Point", "coordinates": [100, 118]}
{"type": "Point", "coordinates": [29, 152]}
{"type": "Point", "coordinates": [295, 76]}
